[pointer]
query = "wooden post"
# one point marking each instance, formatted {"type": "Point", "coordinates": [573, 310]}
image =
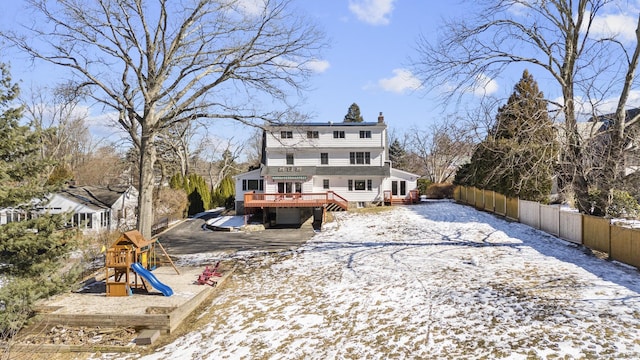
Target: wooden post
{"type": "Point", "coordinates": [168, 257]}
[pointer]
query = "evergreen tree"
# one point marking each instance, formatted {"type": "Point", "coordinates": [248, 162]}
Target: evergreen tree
{"type": "Point", "coordinates": [518, 156]}
{"type": "Point", "coordinates": [223, 193]}
{"type": "Point", "coordinates": [197, 191]}
{"type": "Point", "coordinates": [397, 155]}
{"type": "Point", "coordinates": [31, 250]}
{"type": "Point", "coordinates": [353, 114]}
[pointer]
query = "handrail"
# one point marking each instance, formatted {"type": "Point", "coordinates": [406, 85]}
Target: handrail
{"type": "Point", "coordinates": [301, 198]}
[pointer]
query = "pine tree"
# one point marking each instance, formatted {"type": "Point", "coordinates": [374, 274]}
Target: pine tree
{"type": "Point", "coordinates": [31, 250]}
{"type": "Point", "coordinates": [397, 155]}
{"type": "Point", "coordinates": [353, 114]}
{"type": "Point", "coordinates": [518, 156]}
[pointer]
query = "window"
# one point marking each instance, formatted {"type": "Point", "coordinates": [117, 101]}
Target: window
{"type": "Point", "coordinates": [104, 219]}
{"type": "Point", "coordinates": [312, 134]}
{"type": "Point", "coordinates": [360, 158]}
{"type": "Point", "coordinates": [403, 187]}
{"type": "Point", "coordinates": [289, 187]}
{"type": "Point", "coordinates": [83, 220]}
{"type": "Point", "coordinates": [248, 185]}
{"type": "Point", "coordinates": [286, 134]}
{"type": "Point", "coordinates": [324, 158]}
{"type": "Point", "coordinates": [360, 185]}
{"type": "Point", "coordinates": [325, 183]}
{"type": "Point", "coordinates": [289, 159]}
{"type": "Point", "coordinates": [365, 134]}
{"type": "Point", "coordinates": [338, 134]}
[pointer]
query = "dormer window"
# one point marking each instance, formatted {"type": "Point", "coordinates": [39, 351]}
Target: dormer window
{"type": "Point", "coordinates": [365, 134]}
{"type": "Point", "coordinates": [286, 134]}
{"type": "Point", "coordinates": [338, 134]}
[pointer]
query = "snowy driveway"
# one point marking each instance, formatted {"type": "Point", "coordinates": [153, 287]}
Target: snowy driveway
{"type": "Point", "coordinates": [437, 280]}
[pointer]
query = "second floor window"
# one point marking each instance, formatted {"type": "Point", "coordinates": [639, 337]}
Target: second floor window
{"type": "Point", "coordinates": [325, 183]}
{"type": "Point", "coordinates": [358, 158]}
{"type": "Point", "coordinates": [338, 134]}
{"type": "Point", "coordinates": [289, 159]}
{"type": "Point", "coordinates": [312, 135]}
{"type": "Point", "coordinates": [365, 134]}
{"type": "Point", "coordinates": [324, 158]}
{"type": "Point", "coordinates": [359, 185]}
{"type": "Point", "coordinates": [286, 134]}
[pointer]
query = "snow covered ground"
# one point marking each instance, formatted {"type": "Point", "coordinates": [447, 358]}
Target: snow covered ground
{"type": "Point", "coordinates": [437, 280]}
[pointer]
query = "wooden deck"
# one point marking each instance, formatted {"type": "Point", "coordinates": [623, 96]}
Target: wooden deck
{"type": "Point", "coordinates": [295, 200]}
{"type": "Point", "coordinates": [413, 197]}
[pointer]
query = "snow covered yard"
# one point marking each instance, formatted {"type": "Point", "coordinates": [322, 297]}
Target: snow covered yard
{"type": "Point", "coordinates": [438, 280]}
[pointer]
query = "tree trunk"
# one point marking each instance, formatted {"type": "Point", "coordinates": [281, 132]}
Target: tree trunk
{"type": "Point", "coordinates": [147, 182]}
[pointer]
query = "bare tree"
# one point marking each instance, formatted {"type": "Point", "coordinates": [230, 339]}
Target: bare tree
{"type": "Point", "coordinates": [558, 38]}
{"type": "Point", "coordinates": [163, 62]}
{"type": "Point", "coordinates": [253, 149]}
{"type": "Point", "coordinates": [57, 114]}
{"type": "Point", "coordinates": [442, 148]}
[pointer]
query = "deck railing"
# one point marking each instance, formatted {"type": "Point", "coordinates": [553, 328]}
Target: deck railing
{"type": "Point", "coordinates": [294, 200]}
{"type": "Point", "coordinates": [412, 197]}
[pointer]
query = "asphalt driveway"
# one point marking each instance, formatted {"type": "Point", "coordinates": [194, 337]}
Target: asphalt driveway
{"type": "Point", "coordinates": [191, 237]}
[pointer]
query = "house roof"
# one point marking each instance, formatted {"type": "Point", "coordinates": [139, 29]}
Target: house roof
{"type": "Point", "coordinates": [133, 237]}
{"type": "Point", "coordinates": [103, 197]}
{"type": "Point", "coordinates": [328, 124]}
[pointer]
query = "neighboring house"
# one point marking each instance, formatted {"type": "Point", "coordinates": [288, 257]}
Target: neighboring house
{"type": "Point", "coordinates": [595, 137]}
{"type": "Point", "coordinates": [328, 166]}
{"type": "Point", "coordinates": [93, 209]}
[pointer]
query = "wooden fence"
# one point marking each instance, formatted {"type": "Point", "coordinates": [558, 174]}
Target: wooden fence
{"type": "Point", "coordinates": [622, 244]}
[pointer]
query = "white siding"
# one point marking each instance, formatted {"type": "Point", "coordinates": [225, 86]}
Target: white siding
{"type": "Point", "coordinates": [251, 175]}
{"type": "Point", "coordinates": [325, 137]}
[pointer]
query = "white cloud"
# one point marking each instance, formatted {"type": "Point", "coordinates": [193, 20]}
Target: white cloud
{"type": "Point", "coordinates": [374, 12]}
{"type": "Point", "coordinates": [401, 81]}
{"type": "Point", "coordinates": [620, 26]}
{"type": "Point", "coordinates": [250, 7]}
{"type": "Point", "coordinates": [485, 85]}
{"type": "Point", "coordinates": [315, 65]}
{"type": "Point", "coordinates": [318, 66]}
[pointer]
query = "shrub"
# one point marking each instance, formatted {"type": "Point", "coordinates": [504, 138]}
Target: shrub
{"type": "Point", "coordinates": [423, 185]}
{"type": "Point", "coordinates": [440, 191]}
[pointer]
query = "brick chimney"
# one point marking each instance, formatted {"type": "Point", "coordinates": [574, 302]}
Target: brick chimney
{"type": "Point", "coordinates": [380, 118]}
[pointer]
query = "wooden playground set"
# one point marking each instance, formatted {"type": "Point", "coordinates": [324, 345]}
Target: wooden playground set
{"type": "Point", "coordinates": [129, 261]}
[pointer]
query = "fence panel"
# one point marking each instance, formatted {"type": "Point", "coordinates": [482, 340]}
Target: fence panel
{"type": "Point", "coordinates": [571, 226]}
{"type": "Point", "coordinates": [621, 244]}
{"type": "Point", "coordinates": [489, 200]}
{"type": "Point", "coordinates": [596, 233]}
{"type": "Point", "coordinates": [500, 204]}
{"type": "Point", "coordinates": [550, 219]}
{"type": "Point", "coordinates": [530, 213]}
{"type": "Point", "coordinates": [471, 196]}
{"type": "Point", "coordinates": [479, 198]}
{"type": "Point", "coordinates": [457, 191]}
{"type": "Point", "coordinates": [513, 210]}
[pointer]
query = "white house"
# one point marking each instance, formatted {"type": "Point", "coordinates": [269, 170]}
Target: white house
{"type": "Point", "coordinates": [323, 165]}
{"type": "Point", "coordinates": [94, 209]}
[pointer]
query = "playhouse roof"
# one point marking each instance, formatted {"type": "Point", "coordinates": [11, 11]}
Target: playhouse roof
{"type": "Point", "coordinates": [133, 237]}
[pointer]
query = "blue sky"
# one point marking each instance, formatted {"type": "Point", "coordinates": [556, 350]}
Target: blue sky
{"type": "Point", "coordinates": [367, 62]}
